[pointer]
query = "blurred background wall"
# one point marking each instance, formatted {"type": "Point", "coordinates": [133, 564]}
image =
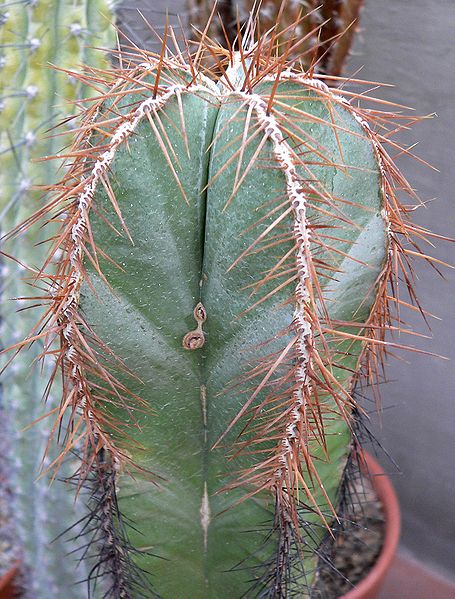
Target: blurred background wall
{"type": "Point", "coordinates": [411, 45]}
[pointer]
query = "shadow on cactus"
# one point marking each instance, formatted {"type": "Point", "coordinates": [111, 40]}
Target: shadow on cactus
{"type": "Point", "coordinates": [229, 253]}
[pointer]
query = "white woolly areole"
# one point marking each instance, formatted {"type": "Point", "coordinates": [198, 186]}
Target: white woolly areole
{"type": "Point", "coordinates": [336, 97]}
{"type": "Point", "coordinates": [298, 200]}
{"type": "Point", "coordinates": [100, 169]}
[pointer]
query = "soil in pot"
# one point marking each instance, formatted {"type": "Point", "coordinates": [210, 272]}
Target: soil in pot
{"type": "Point", "coordinates": [358, 542]}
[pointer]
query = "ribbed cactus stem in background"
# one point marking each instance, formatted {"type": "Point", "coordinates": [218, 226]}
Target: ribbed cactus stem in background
{"type": "Point", "coordinates": [225, 248]}
{"type": "Point", "coordinates": [35, 36]}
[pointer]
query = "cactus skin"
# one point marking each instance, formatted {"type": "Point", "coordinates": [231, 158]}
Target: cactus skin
{"type": "Point", "coordinates": [153, 320]}
{"type": "Point", "coordinates": [223, 264]}
{"type": "Point", "coordinates": [34, 35]}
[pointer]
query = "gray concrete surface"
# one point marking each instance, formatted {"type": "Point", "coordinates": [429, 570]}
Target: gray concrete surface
{"type": "Point", "coordinates": [411, 44]}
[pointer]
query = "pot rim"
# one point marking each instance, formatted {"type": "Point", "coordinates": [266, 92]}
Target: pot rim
{"type": "Point", "coordinates": [386, 494]}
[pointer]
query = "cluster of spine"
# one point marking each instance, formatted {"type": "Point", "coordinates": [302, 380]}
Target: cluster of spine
{"type": "Point", "coordinates": [63, 319]}
{"type": "Point", "coordinates": [289, 444]}
{"type": "Point", "coordinates": [101, 528]}
{"type": "Point", "coordinates": [103, 532]}
{"type": "Point", "coordinates": [301, 424]}
{"type": "Point", "coordinates": [69, 319]}
{"type": "Point", "coordinates": [300, 421]}
{"type": "Point", "coordinates": [320, 34]}
{"type": "Point", "coordinates": [35, 37]}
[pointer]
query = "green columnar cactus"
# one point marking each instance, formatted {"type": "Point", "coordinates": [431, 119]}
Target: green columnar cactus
{"type": "Point", "coordinates": [252, 187]}
{"type": "Point", "coordinates": [36, 34]}
{"type": "Point", "coordinates": [224, 254]}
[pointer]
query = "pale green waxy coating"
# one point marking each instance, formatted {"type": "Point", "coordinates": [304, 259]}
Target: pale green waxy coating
{"type": "Point", "coordinates": [34, 36]}
{"type": "Point", "coordinates": [181, 255]}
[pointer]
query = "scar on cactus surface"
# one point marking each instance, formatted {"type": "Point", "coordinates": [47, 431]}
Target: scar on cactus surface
{"type": "Point", "coordinates": [230, 255]}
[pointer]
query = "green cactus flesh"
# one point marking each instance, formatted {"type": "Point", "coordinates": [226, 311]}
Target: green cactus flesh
{"type": "Point", "coordinates": [207, 205]}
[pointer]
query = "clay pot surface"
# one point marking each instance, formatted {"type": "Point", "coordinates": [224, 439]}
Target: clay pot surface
{"type": "Point", "coordinates": [369, 587]}
{"type": "Point", "coordinates": [7, 586]}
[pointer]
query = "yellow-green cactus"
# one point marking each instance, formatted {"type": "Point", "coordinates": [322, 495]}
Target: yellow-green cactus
{"type": "Point", "coordinates": [35, 37]}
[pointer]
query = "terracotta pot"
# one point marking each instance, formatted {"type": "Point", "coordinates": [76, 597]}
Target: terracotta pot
{"type": "Point", "coordinates": [7, 586]}
{"type": "Point", "coordinates": [369, 587]}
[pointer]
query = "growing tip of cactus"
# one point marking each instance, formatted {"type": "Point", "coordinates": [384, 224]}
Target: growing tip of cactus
{"type": "Point", "coordinates": [229, 253]}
